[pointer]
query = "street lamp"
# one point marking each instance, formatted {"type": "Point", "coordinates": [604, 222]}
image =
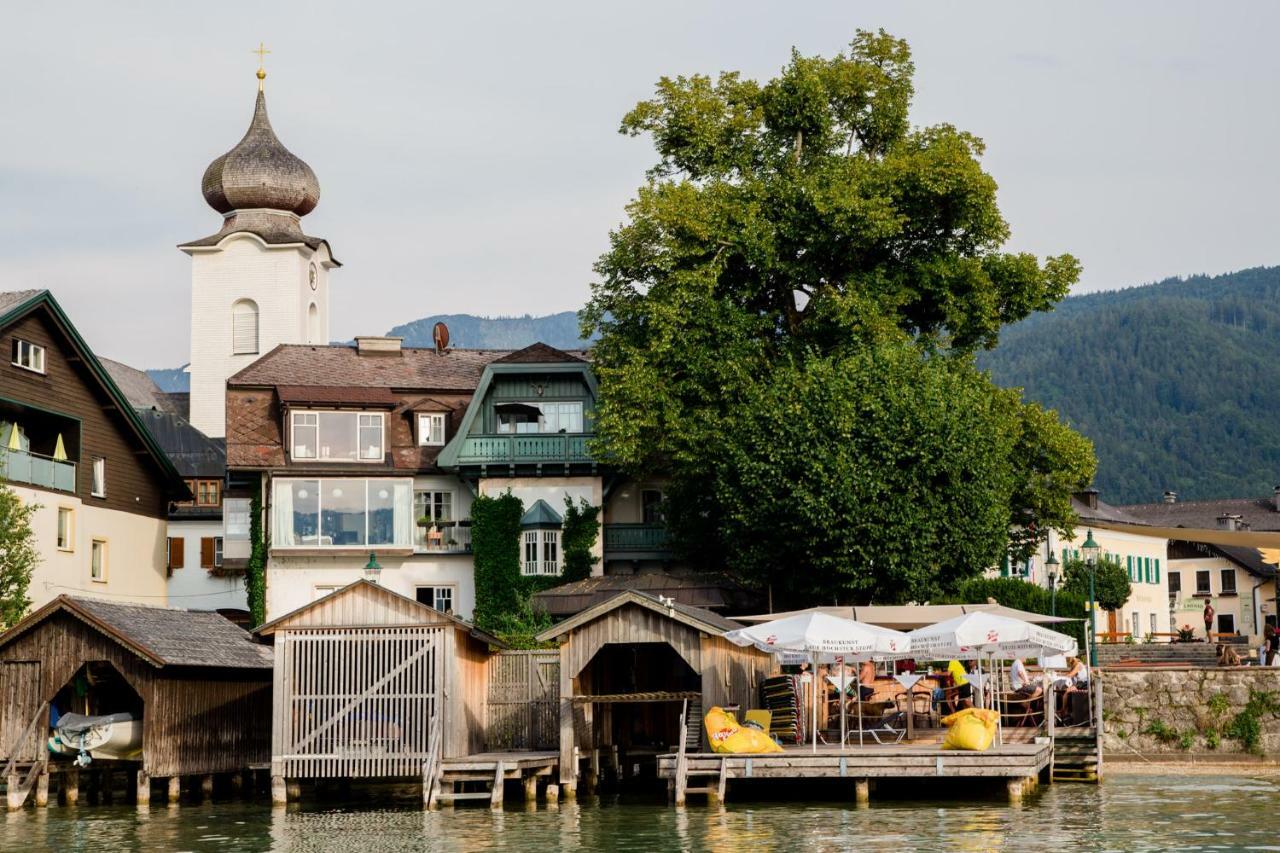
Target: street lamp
{"type": "Point", "coordinates": [372, 569]}
{"type": "Point", "coordinates": [1090, 551]}
{"type": "Point", "coordinates": [1051, 565]}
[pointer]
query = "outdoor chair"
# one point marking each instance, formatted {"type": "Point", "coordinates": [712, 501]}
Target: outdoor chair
{"type": "Point", "coordinates": [888, 728]}
{"type": "Point", "coordinates": [921, 704]}
{"type": "Point", "coordinates": [1018, 710]}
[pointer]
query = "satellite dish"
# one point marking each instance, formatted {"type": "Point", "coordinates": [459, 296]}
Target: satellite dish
{"type": "Point", "coordinates": [440, 334]}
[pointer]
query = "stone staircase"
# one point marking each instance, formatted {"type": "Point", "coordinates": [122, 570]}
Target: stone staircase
{"type": "Point", "coordinates": [1075, 757]}
{"type": "Point", "coordinates": [1169, 654]}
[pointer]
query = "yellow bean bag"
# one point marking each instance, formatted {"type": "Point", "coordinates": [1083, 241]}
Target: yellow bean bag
{"type": "Point", "coordinates": [727, 736]}
{"type": "Point", "coordinates": [972, 729]}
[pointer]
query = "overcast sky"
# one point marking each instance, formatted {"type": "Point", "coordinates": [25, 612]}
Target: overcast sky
{"type": "Point", "coordinates": [469, 159]}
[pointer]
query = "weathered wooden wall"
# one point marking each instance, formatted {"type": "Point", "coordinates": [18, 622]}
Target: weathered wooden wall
{"type": "Point", "coordinates": [524, 691]}
{"type": "Point", "coordinates": [731, 674]}
{"type": "Point", "coordinates": [632, 624]}
{"type": "Point", "coordinates": [195, 720]}
{"type": "Point", "coordinates": [20, 695]}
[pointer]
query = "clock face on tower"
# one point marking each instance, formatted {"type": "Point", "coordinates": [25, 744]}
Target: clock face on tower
{"type": "Point", "coordinates": [311, 276]}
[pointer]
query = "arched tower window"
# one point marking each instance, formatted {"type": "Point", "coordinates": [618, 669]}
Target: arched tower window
{"type": "Point", "coordinates": [244, 327]}
{"type": "Point", "coordinates": [313, 324]}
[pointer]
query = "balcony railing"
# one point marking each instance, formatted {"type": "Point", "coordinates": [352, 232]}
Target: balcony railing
{"type": "Point", "coordinates": [524, 448]}
{"type": "Point", "coordinates": [443, 537]}
{"type": "Point", "coordinates": [636, 538]}
{"type": "Point", "coordinates": [22, 466]}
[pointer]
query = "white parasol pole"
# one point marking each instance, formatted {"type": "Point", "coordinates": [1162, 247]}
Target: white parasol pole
{"type": "Point", "coordinates": [861, 727]}
{"type": "Point", "coordinates": [840, 699]}
{"type": "Point", "coordinates": [981, 684]}
{"type": "Point", "coordinates": [995, 696]}
{"type": "Point", "coordinates": [813, 695]}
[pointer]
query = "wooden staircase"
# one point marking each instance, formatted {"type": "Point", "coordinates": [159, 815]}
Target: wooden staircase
{"type": "Point", "coordinates": [452, 778]}
{"type": "Point", "coordinates": [693, 726]}
{"type": "Point", "coordinates": [1075, 757]}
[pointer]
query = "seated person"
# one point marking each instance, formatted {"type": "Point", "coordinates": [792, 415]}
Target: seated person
{"type": "Point", "coordinates": [1227, 656]}
{"type": "Point", "coordinates": [1075, 680]}
{"type": "Point", "coordinates": [867, 680]}
{"type": "Point", "coordinates": [1022, 683]}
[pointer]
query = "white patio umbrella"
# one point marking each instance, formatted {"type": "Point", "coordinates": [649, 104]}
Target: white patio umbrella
{"type": "Point", "coordinates": [974, 634]}
{"type": "Point", "coordinates": [823, 636]}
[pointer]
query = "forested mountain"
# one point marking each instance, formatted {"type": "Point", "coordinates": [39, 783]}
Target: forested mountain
{"type": "Point", "coordinates": [467, 330]}
{"type": "Point", "coordinates": [1177, 383]}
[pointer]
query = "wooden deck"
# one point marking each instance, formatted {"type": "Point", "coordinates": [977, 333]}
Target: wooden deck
{"type": "Point", "coordinates": [445, 785]}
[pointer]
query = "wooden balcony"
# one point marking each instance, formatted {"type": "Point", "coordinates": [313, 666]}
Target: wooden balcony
{"type": "Point", "coordinates": [636, 542]}
{"type": "Point", "coordinates": [525, 449]}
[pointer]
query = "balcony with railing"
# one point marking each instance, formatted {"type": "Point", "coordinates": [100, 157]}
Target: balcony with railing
{"type": "Point", "coordinates": [36, 469]}
{"type": "Point", "coordinates": [636, 541]}
{"type": "Point", "coordinates": [525, 449]}
{"type": "Point", "coordinates": [443, 537]}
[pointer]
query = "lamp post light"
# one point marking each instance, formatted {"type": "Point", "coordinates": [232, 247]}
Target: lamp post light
{"type": "Point", "coordinates": [1051, 565]}
{"type": "Point", "coordinates": [1090, 551]}
{"type": "Point", "coordinates": [372, 569]}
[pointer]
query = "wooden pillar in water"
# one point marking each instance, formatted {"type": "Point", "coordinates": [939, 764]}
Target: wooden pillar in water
{"type": "Point", "coordinates": [42, 787]}
{"type": "Point", "coordinates": [862, 791]}
{"type": "Point", "coordinates": [175, 790]}
{"type": "Point", "coordinates": [206, 786]}
{"type": "Point", "coordinates": [71, 786]}
{"type": "Point", "coordinates": [279, 791]}
{"type": "Point", "coordinates": [143, 795]}
{"type": "Point", "coordinates": [553, 793]}
{"type": "Point", "coordinates": [530, 782]}
{"type": "Point", "coordinates": [1016, 790]}
{"type": "Point", "coordinates": [13, 785]}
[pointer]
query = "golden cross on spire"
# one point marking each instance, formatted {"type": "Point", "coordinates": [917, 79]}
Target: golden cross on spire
{"type": "Point", "coordinates": [262, 52]}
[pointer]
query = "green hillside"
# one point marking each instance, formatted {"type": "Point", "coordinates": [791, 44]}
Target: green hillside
{"type": "Point", "coordinates": [1177, 383]}
{"type": "Point", "coordinates": [468, 331]}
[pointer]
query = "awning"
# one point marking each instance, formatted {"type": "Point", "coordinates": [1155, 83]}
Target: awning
{"type": "Point", "coordinates": [911, 616]}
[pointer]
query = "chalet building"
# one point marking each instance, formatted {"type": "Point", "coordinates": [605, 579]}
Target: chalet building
{"type": "Point", "coordinates": [1233, 579]}
{"type": "Point", "coordinates": [71, 444]}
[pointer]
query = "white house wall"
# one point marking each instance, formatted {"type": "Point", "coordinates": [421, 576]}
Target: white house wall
{"type": "Point", "coordinates": [192, 586]}
{"type": "Point", "coordinates": [553, 490]}
{"type": "Point", "coordinates": [295, 581]}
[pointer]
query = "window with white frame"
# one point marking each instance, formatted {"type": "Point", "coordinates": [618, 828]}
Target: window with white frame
{"type": "Point", "coordinates": [431, 429]}
{"type": "Point", "coordinates": [244, 327]}
{"type": "Point", "coordinates": [235, 515]}
{"type": "Point", "coordinates": [28, 356]}
{"type": "Point", "coordinates": [1136, 621]}
{"type": "Point", "coordinates": [341, 512]}
{"type": "Point", "coordinates": [541, 552]}
{"type": "Point", "coordinates": [337, 436]}
{"type": "Point", "coordinates": [1154, 629]}
{"type": "Point", "coordinates": [99, 488]}
{"type": "Point", "coordinates": [217, 552]}
{"type": "Point", "coordinates": [553, 417]}
{"type": "Point", "coordinates": [430, 509]}
{"type": "Point", "coordinates": [439, 597]}
{"type": "Point", "coordinates": [98, 561]}
{"type": "Point", "coordinates": [1228, 581]}
{"type": "Point", "coordinates": [66, 528]}
{"type": "Point", "coordinates": [1203, 581]}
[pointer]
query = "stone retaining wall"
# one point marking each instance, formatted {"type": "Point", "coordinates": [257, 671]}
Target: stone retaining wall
{"type": "Point", "coordinates": [1179, 698]}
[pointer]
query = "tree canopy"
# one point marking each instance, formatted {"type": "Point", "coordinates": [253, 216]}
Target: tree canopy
{"type": "Point", "coordinates": [787, 320]}
{"type": "Point", "coordinates": [18, 556]}
{"type": "Point", "coordinates": [1110, 582]}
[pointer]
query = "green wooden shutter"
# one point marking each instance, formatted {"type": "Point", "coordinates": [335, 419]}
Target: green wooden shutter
{"type": "Point", "coordinates": [1129, 563]}
{"type": "Point", "coordinates": [1157, 570]}
{"type": "Point", "coordinates": [1147, 576]}
{"type": "Point", "coordinates": [1004, 565]}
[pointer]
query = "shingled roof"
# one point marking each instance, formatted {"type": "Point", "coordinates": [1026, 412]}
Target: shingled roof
{"type": "Point", "coordinates": [342, 365]}
{"type": "Point", "coordinates": [140, 389]}
{"type": "Point", "coordinates": [160, 635]}
{"type": "Point", "coordinates": [1258, 513]}
{"type": "Point", "coordinates": [538, 353]}
{"type": "Point", "coordinates": [13, 298]}
{"type": "Point", "coordinates": [193, 453]}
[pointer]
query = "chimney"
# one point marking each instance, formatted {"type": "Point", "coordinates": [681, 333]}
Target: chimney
{"type": "Point", "coordinates": [1228, 521]}
{"type": "Point", "coordinates": [370, 345]}
{"type": "Point", "coordinates": [1089, 497]}
{"type": "Point", "coordinates": [1172, 497]}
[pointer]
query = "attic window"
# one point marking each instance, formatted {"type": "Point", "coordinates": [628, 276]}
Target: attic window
{"type": "Point", "coordinates": [539, 417]}
{"type": "Point", "coordinates": [28, 356]}
{"type": "Point", "coordinates": [431, 429]}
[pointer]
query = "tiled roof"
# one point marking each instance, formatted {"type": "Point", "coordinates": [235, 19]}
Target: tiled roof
{"type": "Point", "coordinates": [1104, 512]}
{"type": "Point", "coordinates": [342, 365]}
{"type": "Point", "coordinates": [538, 353]}
{"type": "Point", "coordinates": [336, 395]}
{"type": "Point", "coordinates": [164, 636]}
{"type": "Point", "coordinates": [696, 589]}
{"type": "Point", "coordinates": [193, 453]}
{"type": "Point", "coordinates": [138, 387]}
{"type": "Point", "coordinates": [1258, 513]}
{"type": "Point", "coordinates": [13, 298]}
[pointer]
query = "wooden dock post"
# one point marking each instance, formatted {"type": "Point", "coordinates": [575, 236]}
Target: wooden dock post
{"type": "Point", "coordinates": [71, 786]}
{"type": "Point", "coordinates": [279, 791]}
{"type": "Point", "coordinates": [237, 784]}
{"type": "Point", "coordinates": [495, 797]}
{"type": "Point", "coordinates": [862, 791]}
{"type": "Point", "coordinates": [42, 787]}
{"type": "Point", "coordinates": [143, 795]}
{"type": "Point", "coordinates": [1016, 790]}
{"type": "Point", "coordinates": [13, 785]}
{"type": "Point", "coordinates": [175, 790]}
{"type": "Point", "coordinates": [206, 786]}
{"type": "Point", "coordinates": [530, 782]}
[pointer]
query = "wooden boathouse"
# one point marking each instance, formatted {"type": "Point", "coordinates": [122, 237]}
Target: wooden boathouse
{"type": "Point", "coordinates": [629, 666]}
{"type": "Point", "coordinates": [198, 682]}
{"type": "Point", "coordinates": [370, 684]}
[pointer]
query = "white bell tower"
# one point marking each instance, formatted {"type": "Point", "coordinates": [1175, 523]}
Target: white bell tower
{"type": "Point", "coordinates": [259, 281]}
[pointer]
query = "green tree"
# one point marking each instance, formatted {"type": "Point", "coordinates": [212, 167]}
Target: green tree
{"type": "Point", "coordinates": [578, 536]}
{"type": "Point", "coordinates": [18, 555]}
{"type": "Point", "coordinates": [1017, 593]}
{"type": "Point", "coordinates": [794, 238]}
{"type": "Point", "coordinates": [1111, 582]}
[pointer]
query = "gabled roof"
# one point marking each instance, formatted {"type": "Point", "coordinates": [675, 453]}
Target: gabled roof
{"type": "Point", "coordinates": [342, 366]}
{"type": "Point", "coordinates": [1258, 513]}
{"type": "Point", "coordinates": [141, 389]}
{"type": "Point", "coordinates": [696, 589]}
{"type": "Point", "coordinates": [193, 453]}
{"type": "Point", "coordinates": [421, 614]}
{"type": "Point", "coordinates": [694, 617]}
{"type": "Point", "coordinates": [161, 636]}
{"type": "Point", "coordinates": [14, 306]}
{"type": "Point", "coordinates": [538, 353]}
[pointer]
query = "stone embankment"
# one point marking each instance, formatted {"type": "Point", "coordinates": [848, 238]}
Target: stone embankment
{"type": "Point", "coordinates": [1200, 711]}
{"type": "Point", "coordinates": [1188, 654]}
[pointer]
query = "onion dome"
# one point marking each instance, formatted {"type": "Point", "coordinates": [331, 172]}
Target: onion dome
{"type": "Point", "coordinates": [260, 173]}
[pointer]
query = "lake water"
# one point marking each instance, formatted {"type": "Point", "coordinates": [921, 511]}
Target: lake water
{"type": "Point", "coordinates": [1126, 813]}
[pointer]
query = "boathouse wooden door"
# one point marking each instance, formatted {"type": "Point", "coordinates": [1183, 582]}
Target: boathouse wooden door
{"type": "Point", "coordinates": [356, 702]}
{"type": "Point", "coordinates": [20, 693]}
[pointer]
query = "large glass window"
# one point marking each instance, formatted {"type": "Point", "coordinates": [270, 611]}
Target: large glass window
{"type": "Point", "coordinates": [338, 436]}
{"type": "Point", "coordinates": [554, 417]}
{"type": "Point", "coordinates": [342, 512]}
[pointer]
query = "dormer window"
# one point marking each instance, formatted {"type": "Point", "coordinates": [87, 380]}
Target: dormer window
{"type": "Point", "coordinates": [539, 417]}
{"type": "Point", "coordinates": [28, 356]}
{"type": "Point", "coordinates": [337, 436]}
{"type": "Point", "coordinates": [431, 429]}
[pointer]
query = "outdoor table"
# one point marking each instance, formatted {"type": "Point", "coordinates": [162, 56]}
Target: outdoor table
{"type": "Point", "coordinates": [908, 681]}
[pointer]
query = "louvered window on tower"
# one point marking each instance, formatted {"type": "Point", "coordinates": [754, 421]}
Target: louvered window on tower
{"type": "Point", "coordinates": [244, 327]}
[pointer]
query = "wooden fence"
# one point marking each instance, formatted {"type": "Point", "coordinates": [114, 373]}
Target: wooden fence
{"type": "Point", "coordinates": [524, 700]}
{"type": "Point", "coordinates": [355, 701]}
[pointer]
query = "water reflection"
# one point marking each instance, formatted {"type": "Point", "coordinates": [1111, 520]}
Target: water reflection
{"type": "Point", "coordinates": [1128, 813]}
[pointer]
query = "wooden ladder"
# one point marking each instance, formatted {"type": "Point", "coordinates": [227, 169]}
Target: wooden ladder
{"type": "Point", "coordinates": [714, 791]}
{"type": "Point", "coordinates": [447, 794]}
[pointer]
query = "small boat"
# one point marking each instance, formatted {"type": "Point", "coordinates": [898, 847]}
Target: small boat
{"type": "Point", "coordinates": [117, 736]}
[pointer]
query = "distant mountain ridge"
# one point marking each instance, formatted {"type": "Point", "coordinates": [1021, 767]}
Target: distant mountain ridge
{"type": "Point", "coordinates": [1177, 383]}
{"type": "Point", "coordinates": [466, 331]}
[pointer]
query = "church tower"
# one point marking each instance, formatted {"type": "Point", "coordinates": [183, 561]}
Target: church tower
{"type": "Point", "coordinates": [259, 281]}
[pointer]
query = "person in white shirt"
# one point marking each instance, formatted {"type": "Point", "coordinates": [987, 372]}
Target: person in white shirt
{"type": "Point", "coordinates": [1022, 683]}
